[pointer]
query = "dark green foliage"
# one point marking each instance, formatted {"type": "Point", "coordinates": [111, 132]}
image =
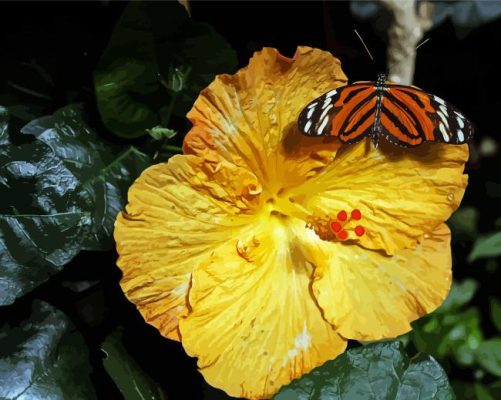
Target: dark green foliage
{"type": "Point", "coordinates": [378, 370]}
{"type": "Point", "coordinates": [44, 358]}
{"type": "Point", "coordinates": [132, 381]}
{"type": "Point", "coordinates": [157, 61]}
{"type": "Point", "coordinates": [59, 193]}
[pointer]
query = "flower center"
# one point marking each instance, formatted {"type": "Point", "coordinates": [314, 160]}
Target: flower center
{"type": "Point", "coordinates": [341, 228]}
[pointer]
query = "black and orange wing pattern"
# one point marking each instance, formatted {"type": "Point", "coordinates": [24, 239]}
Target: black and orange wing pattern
{"type": "Point", "coordinates": [410, 116]}
{"type": "Point", "coordinates": [347, 112]}
{"type": "Point", "coordinates": [405, 115]}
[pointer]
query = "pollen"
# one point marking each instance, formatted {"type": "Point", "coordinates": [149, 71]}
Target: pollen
{"type": "Point", "coordinates": [359, 230]}
{"type": "Point", "coordinates": [336, 226]}
{"type": "Point", "coordinates": [342, 228]}
{"type": "Point", "coordinates": [342, 216]}
{"type": "Point", "coordinates": [342, 235]}
{"type": "Point", "coordinates": [356, 214]}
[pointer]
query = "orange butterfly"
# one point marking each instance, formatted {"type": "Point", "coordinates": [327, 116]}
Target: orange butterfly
{"type": "Point", "coordinates": [404, 115]}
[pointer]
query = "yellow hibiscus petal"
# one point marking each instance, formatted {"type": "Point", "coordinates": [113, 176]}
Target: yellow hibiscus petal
{"type": "Point", "coordinates": [254, 324]}
{"type": "Point", "coordinates": [178, 213]}
{"type": "Point", "coordinates": [401, 193]}
{"type": "Point", "coordinates": [250, 118]}
{"type": "Point", "coordinates": [368, 296]}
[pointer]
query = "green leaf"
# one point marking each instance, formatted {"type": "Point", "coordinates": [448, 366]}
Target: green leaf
{"type": "Point", "coordinates": [44, 358]}
{"type": "Point", "coordinates": [38, 234]}
{"type": "Point", "coordinates": [495, 306]}
{"type": "Point", "coordinates": [489, 355]}
{"type": "Point", "coordinates": [472, 391]}
{"type": "Point", "coordinates": [104, 171]}
{"type": "Point", "coordinates": [33, 247]}
{"type": "Point", "coordinates": [456, 333]}
{"type": "Point", "coordinates": [59, 193]}
{"type": "Point", "coordinates": [482, 393]}
{"type": "Point", "coordinates": [495, 389]}
{"type": "Point", "coordinates": [132, 381]}
{"type": "Point", "coordinates": [464, 223]}
{"type": "Point", "coordinates": [460, 294]}
{"type": "Point", "coordinates": [150, 41]}
{"type": "Point", "coordinates": [485, 247]}
{"type": "Point", "coordinates": [159, 133]}
{"type": "Point", "coordinates": [376, 371]}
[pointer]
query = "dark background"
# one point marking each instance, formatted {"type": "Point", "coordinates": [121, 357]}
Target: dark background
{"type": "Point", "coordinates": [53, 48]}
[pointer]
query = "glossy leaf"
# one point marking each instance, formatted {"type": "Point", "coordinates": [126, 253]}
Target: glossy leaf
{"type": "Point", "coordinates": [59, 193]}
{"type": "Point", "coordinates": [380, 370]}
{"type": "Point", "coordinates": [150, 42]}
{"type": "Point", "coordinates": [38, 233]}
{"type": "Point", "coordinates": [489, 355]}
{"type": "Point", "coordinates": [486, 246]}
{"type": "Point", "coordinates": [104, 171]}
{"type": "Point", "coordinates": [33, 247]}
{"type": "Point", "coordinates": [132, 381]}
{"type": "Point", "coordinates": [44, 358]}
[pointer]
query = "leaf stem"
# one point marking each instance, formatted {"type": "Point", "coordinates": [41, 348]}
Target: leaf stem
{"type": "Point", "coordinates": [173, 149]}
{"type": "Point", "coordinates": [165, 123]}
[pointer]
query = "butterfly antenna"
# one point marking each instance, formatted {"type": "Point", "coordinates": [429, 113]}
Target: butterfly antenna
{"type": "Point", "coordinates": [366, 48]}
{"type": "Point", "coordinates": [423, 42]}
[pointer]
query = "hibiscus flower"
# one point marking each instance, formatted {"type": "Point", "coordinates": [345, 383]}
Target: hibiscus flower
{"type": "Point", "coordinates": [262, 250]}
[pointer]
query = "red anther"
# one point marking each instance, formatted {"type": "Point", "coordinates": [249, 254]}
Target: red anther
{"type": "Point", "coordinates": [359, 230]}
{"type": "Point", "coordinates": [342, 235]}
{"type": "Point", "coordinates": [336, 226]}
{"type": "Point", "coordinates": [341, 215]}
{"type": "Point", "coordinates": [356, 214]}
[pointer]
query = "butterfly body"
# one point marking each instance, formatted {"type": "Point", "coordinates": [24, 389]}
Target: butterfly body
{"type": "Point", "coordinates": [404, 115]}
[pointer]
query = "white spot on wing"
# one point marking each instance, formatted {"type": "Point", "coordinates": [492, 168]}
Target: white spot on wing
{"type": "Point", "coordinates": [312, 105]}
{"type": "Point", "coordinates": [444, 132]}
{"type": "Point", "coordinates": [310, 112]}
{"type": "Point", "coordinates": [331, 93]}
{"type": "Point", "coordinates": [459, 115]}
{"type": "Point", "coordinates": [438, 100]}
{"type": "Point", "coordinates": [460, 135]}
{"type": "Point", "coordinates": [327, 101]}
{"type": "Point", "coordinates": [307, 126]}
{"type": "Point", "coordinates": [322, 125]}
{"type": "Point", "coordinates": [324, 113]}
{"type": "Point", "coordinates": [444, 110]}
{"type": "Point", "coordinates": [442, 116]}
{"type": "Point", "coordinates": [460, 122]}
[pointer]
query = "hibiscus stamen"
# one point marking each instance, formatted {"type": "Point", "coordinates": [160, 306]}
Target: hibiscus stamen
{"type": "Point", "coordinates": [342, 216]}
{"type": "Point", "coordinates": [336, 226]}
{"type": "Point", "coordinates": [342, 235]}
{"type": "Point", "coordinates": [356, 214]}
{"type": "Point", "coordinates": [359, 230]}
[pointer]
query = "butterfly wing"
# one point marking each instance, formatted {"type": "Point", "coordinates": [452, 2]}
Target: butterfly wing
{"type": "Point", "coordinates": [410, 116]}
{"type": "Point", "coordinates": [347, 112]}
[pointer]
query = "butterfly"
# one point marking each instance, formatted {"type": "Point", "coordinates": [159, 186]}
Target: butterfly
{"type": "Point", "coordinates": [404, 115]}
